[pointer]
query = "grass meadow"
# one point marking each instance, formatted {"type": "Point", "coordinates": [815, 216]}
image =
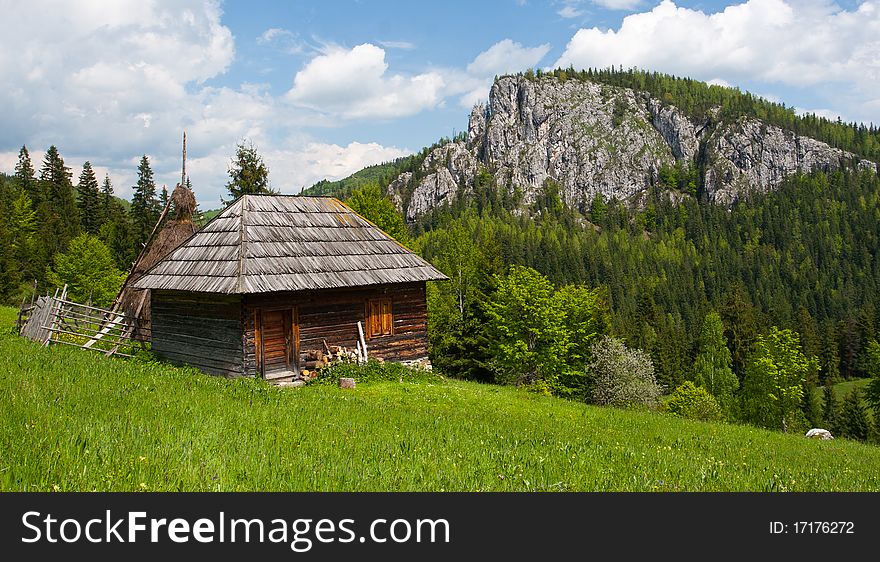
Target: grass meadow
{"type": "Point", "coordinates": [74, 420]}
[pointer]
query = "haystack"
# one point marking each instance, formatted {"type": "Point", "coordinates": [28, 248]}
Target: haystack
{"type": "Point", "coordinates": [136, 302]}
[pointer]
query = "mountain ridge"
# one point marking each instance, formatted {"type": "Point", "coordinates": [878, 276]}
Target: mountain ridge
{"type": "Point", "coordinates": [596, 138]}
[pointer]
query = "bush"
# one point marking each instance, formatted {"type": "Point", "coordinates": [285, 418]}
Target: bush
{"type": "Point", "coordinates": [374, 371]}
{"type": "Point", "coordinates": [621, 376]}
{"type": "Point", "coordinates": [695, 403]}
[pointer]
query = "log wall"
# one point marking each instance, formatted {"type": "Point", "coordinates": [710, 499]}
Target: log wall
{"type": "Point", "coordinates": [332, 315]}
{"type": "Point", "coordinates": [203, 330]}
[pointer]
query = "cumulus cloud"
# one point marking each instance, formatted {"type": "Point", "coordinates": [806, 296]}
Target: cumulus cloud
{"type": "Point", "coordinates": [506, 56]}
{"type": "Point", "coordinates": [805, 44]}
{"type": "Point", "coordinates": [291, 170]}
{"type": "Point", "coordinates": [767, 39]}
{"type": "Point", "coordinates": [503, 57]}
{"type": "Point", "coordinates": [111, 86]}
{"type": "Point", "coordinates": [354, 83]}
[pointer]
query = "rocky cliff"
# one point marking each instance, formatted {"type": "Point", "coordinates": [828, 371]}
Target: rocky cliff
{"type": "Point", "coordinates": [592, 138]}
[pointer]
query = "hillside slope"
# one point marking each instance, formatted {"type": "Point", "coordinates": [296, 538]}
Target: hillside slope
{"type": "Point", "coordinates": [71, 420]}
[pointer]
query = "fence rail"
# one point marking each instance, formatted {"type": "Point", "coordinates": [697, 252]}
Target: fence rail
{"type": "Point", "coordinates": [57, 320]}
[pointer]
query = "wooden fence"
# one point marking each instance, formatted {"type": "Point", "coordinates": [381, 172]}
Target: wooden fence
{"type": "Point", "coordinates": [56, 320]}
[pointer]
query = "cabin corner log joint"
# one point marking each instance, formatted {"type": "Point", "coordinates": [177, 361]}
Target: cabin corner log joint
{"type": "Point", "coordinates": [273, 281]}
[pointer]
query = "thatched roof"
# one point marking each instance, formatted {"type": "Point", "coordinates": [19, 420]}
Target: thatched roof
{"type": "Point", "coordinates": [265, 243]}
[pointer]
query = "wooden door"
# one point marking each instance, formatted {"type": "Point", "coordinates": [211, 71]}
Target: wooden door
{"type": "Point", "coordinates": [279, 342]}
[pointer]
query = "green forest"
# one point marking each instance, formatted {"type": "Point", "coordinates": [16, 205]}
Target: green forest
{"type": "Point", "coordinates": [718, 298]}
{"type": "Point", "coordinates": [748, 314]}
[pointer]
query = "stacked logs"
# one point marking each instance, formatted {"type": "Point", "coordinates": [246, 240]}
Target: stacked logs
{"type": "Point", "coordinates": [315, 359]}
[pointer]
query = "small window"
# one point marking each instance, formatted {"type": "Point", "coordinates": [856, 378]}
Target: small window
{"type": "Point", "coordinates": [379, 321]}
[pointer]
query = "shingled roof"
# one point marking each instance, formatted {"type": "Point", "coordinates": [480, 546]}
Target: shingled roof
{"type": "Point", "coordinates": [264, 243]}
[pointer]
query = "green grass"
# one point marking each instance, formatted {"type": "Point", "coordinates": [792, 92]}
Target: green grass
{"type": "Point", "coordinates": [74, 420]}
{"type": "Point", "coordinates": [842, 389]}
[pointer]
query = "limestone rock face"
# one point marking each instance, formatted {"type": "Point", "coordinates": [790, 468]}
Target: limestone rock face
{"type": "Point", "coordinates": [443, 171]}
{"type": "Point", "coordinates": [748, 155]}
{"type": "Point", "coordinates": [592, 138]}
{"type": "Point", "coordinates": [587, 137]}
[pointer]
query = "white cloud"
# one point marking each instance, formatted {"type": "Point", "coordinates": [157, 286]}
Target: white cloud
{"type": "Point", "coordinates": [273, 33]}
{"type": "Point", "coordinates": [829, 114]}
{"type": "Point", "coordinates": [759, 39]}
{"type": "Point", "coordinates": [813, 42]}
{"type": "Point", "coordinates": [354, 83]}
{"type": "Point", "coordinates": [719, 82]}
{"type": "Point", "coordinates": [117, 83]}
{"type": "Point", "coordinates": [402, 45]}
{"type": "Point", "coordinates": [618, 4]}
{"type": "Point", "coordinates": [506, 56]}
{"type": "Point", "coordinates": [503, 57]}
{"type": "Point", "coordinates": [284, 38]}
{"type": "Point", "coordinates": [568, 11]}
{"type": "Point", "coordinates": [291, 170]}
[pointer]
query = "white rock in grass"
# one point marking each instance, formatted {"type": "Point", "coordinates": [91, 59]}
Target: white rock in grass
{"type": "Point", "coordinates": [817, 433]}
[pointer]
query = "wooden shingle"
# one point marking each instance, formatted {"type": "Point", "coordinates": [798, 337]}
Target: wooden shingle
{"type": "Point", "coordinates": [267, 243]}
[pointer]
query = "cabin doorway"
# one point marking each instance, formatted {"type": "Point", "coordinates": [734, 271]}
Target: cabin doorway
{"type": "Point", "coordinates": [278, 341]}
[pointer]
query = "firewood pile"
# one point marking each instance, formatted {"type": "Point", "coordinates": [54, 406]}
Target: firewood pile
{"type": "Point", "coordinates": [315, 359]}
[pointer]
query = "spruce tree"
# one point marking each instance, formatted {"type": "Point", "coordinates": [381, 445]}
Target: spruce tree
{"type": "Point", "coordinates": [831, 410]}
{"type": "Point", "coordinates": [25, 176]}
{"type": "Point", "coordinates": [87, 200]}
{"type": "Point", "coordinates": [106, 198]}
{"type": "Point", "coordinates": [9, 274]}
{"type": "Point", "coordinates": [741, 326]}
{"type": "Point", "coordinates": [830, 358]}
{"type": "Point", "coordinates": [854, 417]}
{"type": "Point", "coordinates": [144, 205]}
{"type": "Point", "coordinates": [247, 172]}
{"type": "Point", "coordinates": [57, 212]}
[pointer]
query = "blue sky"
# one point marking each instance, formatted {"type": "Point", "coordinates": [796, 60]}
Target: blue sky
{"type": "Point", "coordinates": [325, 88]}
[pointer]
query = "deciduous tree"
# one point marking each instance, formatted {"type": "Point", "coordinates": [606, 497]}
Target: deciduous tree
{"type": "Point", "coordinates": [88, 270]}
{"type": "Point", "coordinates": [712, 367]}
{"type": "Point", "coordinates": [774, 380]}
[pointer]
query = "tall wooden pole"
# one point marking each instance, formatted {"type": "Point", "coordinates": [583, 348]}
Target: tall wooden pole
{"type": "Point", "coordinates": [183, 166]}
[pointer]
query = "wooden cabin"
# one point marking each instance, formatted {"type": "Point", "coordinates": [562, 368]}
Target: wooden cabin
{"type": "Point", "coordinates": [274, 279]}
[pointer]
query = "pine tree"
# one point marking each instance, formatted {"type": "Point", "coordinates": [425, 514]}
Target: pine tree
{"type": "Point", "coordinates": [116, 228]}
{"type": "Point", "coordinates": [854, 417]}
{"type": "Point", "coordinates": [57, 212]}
{"type": "Point", "coordinates": [22, 223]}
{"type": "Point", "coordinates": [164, 201]}
{"type": "Point", "coordinates": [830, 359]}
{"type": "Point", "coordinates": [247, 172]}
{"type": "Point", "coordinates": [144, 205]}
{"type": "Point", "coordinates": [106, 198]}
{"type": "Point", "coordinates": [741, 327]}
{"type": "Point", "coordinates": [87, 200]}
{"type": "Point", "coordinates": [831, 410]}
{"type": "Point", "coordinates": [9, 274]}
{"type": "Point", "coordinates": [25, 176]}
{"type": "Point", "coordinates": [810, 404]}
